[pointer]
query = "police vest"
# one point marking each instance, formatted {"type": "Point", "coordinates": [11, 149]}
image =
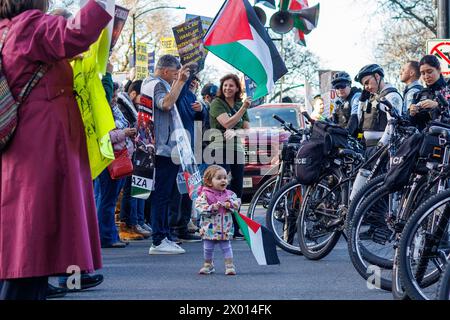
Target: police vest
{"type": "Point", "coordinates": [344, 112]}
{"type": "Point", "coordinates": [374, 118]}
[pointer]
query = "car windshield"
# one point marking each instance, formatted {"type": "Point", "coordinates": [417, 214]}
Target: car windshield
{"type": "Point", "coordinates": [263, 117]}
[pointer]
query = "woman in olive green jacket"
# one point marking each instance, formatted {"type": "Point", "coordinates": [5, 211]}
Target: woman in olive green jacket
{"type": "Point", "coordinates": [228, 114]}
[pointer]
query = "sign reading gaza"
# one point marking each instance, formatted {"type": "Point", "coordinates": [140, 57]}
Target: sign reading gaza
{"type": "Point", "coordinates": [188, 37]}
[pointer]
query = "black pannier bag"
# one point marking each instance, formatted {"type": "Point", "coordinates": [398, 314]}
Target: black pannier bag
{"type": "Point", "coordinates": [333, 136]}
{"type": "Point", "coordinates": [290, 149]}
{"type": "Point", "coordinates": [309, 162]}
{"type": "Point", "coordinates": [404, 163]}
{"type": "Point", "coordinates": [430, 151]}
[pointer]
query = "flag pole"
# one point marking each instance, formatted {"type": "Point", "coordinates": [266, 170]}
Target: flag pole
{"type": "Point", "coordinates": [282, 79]}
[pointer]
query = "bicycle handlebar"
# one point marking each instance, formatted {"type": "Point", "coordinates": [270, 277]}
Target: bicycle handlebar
{"type": "Point", "coordinates": [289, 126]}
{"type": "Point", "coordinates": [390, 109]}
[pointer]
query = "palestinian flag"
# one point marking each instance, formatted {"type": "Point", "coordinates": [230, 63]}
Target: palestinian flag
{"type": "Point", "coordinates": [260, 240]}
{"type": "Point", "coordinates": [238, 37]}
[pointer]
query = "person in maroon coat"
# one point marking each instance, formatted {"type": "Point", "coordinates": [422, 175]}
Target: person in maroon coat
{"type": "Point", "coordinates": [48, 222]}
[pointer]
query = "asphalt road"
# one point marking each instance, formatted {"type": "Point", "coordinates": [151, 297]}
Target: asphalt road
{"type": "Point", "coordinates": [131, 273]}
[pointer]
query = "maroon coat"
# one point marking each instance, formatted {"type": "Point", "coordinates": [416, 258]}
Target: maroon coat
{"type": "Point", "coordinates": [47, 211]}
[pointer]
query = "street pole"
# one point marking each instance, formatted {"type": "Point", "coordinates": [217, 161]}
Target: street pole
{"type": "Point", "coordinates": [134, 40]}
{"type": "Point", "coordinates": [134, 17]}
{"type": "Point", "coordinates": [443, 19]}
{"type": "Point", "coordinates": [282, 79]}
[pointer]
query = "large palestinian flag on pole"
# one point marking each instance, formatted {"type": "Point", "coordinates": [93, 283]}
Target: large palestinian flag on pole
{"type": "Point", "coordinates": [260, 240]}
{"type": "Point", "coordinates": [238, 37]}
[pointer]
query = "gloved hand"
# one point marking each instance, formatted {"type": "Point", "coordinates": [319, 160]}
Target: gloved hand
{"type": "Point", "coordinates": [379, 145]}
{"type": "Point", "coordinates": [365, 96]}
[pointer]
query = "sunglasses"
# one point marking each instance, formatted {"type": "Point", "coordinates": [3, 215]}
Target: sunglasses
{"type": "Point", "coordinates": [340, 86]}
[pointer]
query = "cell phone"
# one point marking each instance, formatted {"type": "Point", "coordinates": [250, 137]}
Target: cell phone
{"type": "Point", "coordinates": [193, 68]}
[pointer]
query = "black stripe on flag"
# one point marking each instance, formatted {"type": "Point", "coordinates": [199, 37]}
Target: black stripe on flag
{"type": "Point", "coordinates": [270, 247]}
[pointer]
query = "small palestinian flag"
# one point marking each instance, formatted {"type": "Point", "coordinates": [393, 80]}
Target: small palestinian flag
{"type": "Point", "coordinates": [300, 38]}
{"type": "Point", "coordinates": [260, 240]}
{"type": "Point", "coordinates": [238, 37]}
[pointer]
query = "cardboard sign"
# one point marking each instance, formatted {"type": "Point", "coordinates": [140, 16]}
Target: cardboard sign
{"type": "Point", "coordinates": [188, 37]}
{"type": "Point", "coordinates": [120, 18]}
{"type": "Point", "coordinates": [141, 61]}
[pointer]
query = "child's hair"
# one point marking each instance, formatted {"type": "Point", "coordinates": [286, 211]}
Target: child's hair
{"type": "Point", "coordinates": [209, 174]}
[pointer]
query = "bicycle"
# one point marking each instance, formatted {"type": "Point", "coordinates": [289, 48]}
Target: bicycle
{"type": "Point", "coordinates": [285, 173]}
{"type": "Point", "coordinates": [444, 286]}
{"type": "Point", "coordinates": [330, 202]}
{"type": "Point", "coordinates": [424, 246]}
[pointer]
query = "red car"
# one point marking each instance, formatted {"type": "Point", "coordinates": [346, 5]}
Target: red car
{"type": "Point", "coordinates": [263, 144]}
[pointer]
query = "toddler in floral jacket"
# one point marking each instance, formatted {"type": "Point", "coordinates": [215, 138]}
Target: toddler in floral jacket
{"type": "Point", "coordinates": [215, 205]}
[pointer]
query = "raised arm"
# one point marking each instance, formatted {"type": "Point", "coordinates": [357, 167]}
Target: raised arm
{"type": "Point", "coordinates": [54, 38]}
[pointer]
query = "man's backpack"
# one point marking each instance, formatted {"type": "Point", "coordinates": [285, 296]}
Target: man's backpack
{"type": "Point", "coordinates": [8, 105]}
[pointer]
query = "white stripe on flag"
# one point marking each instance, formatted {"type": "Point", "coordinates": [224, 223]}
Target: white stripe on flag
{"type": "Point", "coordinates": [257, 246]}
{"type": "Point", "coordinates": [261, 50]}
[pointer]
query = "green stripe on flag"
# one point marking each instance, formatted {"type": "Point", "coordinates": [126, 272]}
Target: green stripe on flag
{"type": "Point", "coordinates": [244, 60]}
{"type": "Point", "coordinates": [243, 226]}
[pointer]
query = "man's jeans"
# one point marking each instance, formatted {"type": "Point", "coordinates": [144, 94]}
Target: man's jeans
{"type": "Point", "coordinates": [106, 193]}
{"type": "Point", "coordinates": [131, 209]}
{"type": "Point", "coordinates": [180, 212]}
{"type": "Point", "coordinates": [165, 180]}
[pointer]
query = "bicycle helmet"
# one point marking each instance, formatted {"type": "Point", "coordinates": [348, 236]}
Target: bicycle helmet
{"type": "Point", "coordinates": [369, 70]}
{"type": "Point", "coordinates": [341, 77]}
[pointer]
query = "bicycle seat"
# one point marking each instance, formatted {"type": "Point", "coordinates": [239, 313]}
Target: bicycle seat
{"type": "Point", "coordinates": [440, 131]}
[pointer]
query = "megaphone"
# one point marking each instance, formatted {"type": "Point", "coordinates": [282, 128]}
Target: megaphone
{"type": "Point", "coordinates": [310, 15]}
{"type": "Point", "coordinates": [261, 15]}
{"type": "Point", "coordinates": [282, 22]}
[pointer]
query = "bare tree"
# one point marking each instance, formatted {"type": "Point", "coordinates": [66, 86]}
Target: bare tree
{"type": "Point", "coordinates": [150, 27]}
{"type": "Point", "coordinates": [302, 65]}
{"type": "Point", "coordinates": [409, 24]}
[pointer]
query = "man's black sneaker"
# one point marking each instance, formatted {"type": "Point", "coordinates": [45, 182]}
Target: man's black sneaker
{"type": "Point", "coordinates": [189, 237]}
{"type": "Point", "coordinates": [55, 292]}
{"type": "Point", "coordinates": [238, 236]}
{"type": "Point", "coordinates": [87, 282]}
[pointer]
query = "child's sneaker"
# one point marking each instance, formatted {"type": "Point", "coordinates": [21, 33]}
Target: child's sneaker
{"type": "Point", "coordinates": [230, 270]}
{"type": "Point", "coordinates": [207, 269]}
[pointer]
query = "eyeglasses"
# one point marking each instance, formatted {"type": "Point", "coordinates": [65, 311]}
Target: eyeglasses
{"type": "Point", "coordinates": [340, 86]}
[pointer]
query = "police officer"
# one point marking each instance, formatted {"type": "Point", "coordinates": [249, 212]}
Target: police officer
{"type": "Point", "coordinates": [374, 116]}
{"type": "Point", "coordinates": [346, 112]}
{"type": "Point", "coordinates": [427, 104]}
{"type": "Point", "coordinates": [410, 76]}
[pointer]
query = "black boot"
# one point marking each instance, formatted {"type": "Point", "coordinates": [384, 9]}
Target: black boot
{"type": "Point", "coordinates": [55, 292]}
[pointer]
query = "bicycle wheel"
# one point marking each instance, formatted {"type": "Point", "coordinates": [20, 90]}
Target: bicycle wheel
{"type": "Point", "coordinates": [444, 285]}
{"type": "Point", "coordinates": [370, 241]}
{"type": "Point", "coordinates": [281, 217]}
{"type": "Point", "coordinates": [362, 195]}
{"type": "Point", "coordinates": [262, 197]}
{"type": "Point", "coordinates": [424, 246]}
{"type": "Point", "coordinates": [321, 219]}
{"type": "Point", "coordinates": [398, 289]}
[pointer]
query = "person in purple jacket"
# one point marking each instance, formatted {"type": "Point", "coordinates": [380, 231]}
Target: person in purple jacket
{"type": "Point", "coordinates": [48, 223]}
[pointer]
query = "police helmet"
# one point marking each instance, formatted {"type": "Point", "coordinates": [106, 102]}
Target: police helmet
{"type": "Point", "coordinates": [341, 78]}
{"type": "Point", "coordinates": [368, 70]}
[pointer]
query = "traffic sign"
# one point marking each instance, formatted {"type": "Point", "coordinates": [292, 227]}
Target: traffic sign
{"type": "Point", "coordinates": [441, 49]}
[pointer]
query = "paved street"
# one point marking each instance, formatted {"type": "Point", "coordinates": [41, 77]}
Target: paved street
{"type": "Point", "coordinates": [131, 273]}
